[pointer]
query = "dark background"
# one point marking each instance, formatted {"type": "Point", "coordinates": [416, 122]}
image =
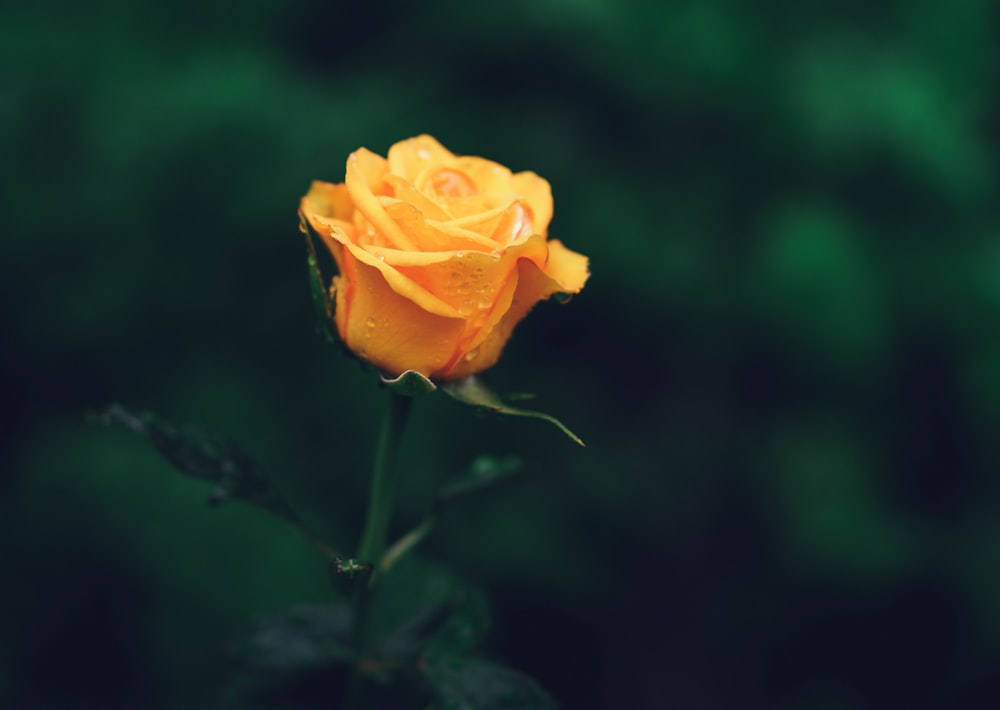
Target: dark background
{"type": "Point", "coordinates": [786, 365]}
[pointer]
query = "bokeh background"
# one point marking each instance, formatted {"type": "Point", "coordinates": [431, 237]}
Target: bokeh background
{"type": "Point", "coordinates": [786, 365]}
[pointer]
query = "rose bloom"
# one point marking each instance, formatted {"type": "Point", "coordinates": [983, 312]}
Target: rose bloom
{"type": "Point", "coordinates": [439, 256]}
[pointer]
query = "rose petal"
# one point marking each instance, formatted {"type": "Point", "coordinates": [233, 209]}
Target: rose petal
{"type": "Point", "coordinates": [531, 286]}
{"type": "Point", "coordinates": [388, 329]}
{"type": "Point", "coordinates": [489, 176]}
{"type": "Point", "coordinates": [365, 172]}
{"type": "Point", "coordinates": [566, 267]}
{"type": "Point", "coordinates": [432, 235]}
{"type": "Point", "coordinates": [397, 281]}
{"type": "Point", "coordinates": [537, 192]}
{"type": "Point", "coordinates": [328, 200]}
{"type": "Point", "coordinates": [411, 157]}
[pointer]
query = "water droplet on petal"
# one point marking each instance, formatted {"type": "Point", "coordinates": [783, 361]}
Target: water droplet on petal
{"type": "Point", "coordinates": [465, 288]}
{"type": "Point", "coordinates": [459, 254]}
{"type": "Point", "coordinates": [467, 307]}
{"type": "Point", "coordinates": [370, 323]}
{"type": "Point", "coordinates": [485, 301]}
{"type": "Point", "coordinates": [472, 354]}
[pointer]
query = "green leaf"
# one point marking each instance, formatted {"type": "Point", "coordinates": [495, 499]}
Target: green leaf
{"type": "Point", "coordinates": [409, 384]}
{"type": "Point", "coordinates": [303, 638]}
{"type": "Point", "coordinates": [473, 392]}
{"type": "Point", "coordinates": [205, 457]}
{"type": "Point", "coordinates": [322, 301]}
{"type": "Point", "coordinates": [475, 684]}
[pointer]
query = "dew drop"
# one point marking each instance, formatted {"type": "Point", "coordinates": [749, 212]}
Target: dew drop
{"type": "Point", "coordinates": [459, 254]}
{"type": "Point", "coordinates": [485, 301]}
{"type": "Point", "coordinates": [467, 307]}
{"type": "Point", "coordinates": [472, 354]}
{"type": "Point", "coordinates": [370, 323]}
{"type": "Point", "coordinates": [464, 288]}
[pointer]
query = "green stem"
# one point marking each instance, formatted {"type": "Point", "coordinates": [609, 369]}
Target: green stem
{"type": "Point", "coordinates": [384, 479]}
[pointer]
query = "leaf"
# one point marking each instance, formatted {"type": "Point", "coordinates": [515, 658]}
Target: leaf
{"type": "Point", "coordinates": [205, 457]}
{"type": "Point", "coordinates": [473, 392]}
{"type": "Point", "coordinates": [476, 684]}
{"type": "Point", "coordinates": [302, 638]}
{"type": "Point", "coordinates": [409, 384]}
{"type": "Point", "coordinates": [294, 659]}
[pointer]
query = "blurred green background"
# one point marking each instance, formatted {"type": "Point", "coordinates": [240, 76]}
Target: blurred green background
{"type": "Point", "coordinates": [786, 365]}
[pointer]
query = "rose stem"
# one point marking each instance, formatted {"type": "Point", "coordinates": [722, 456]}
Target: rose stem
{"type": "Point", "coordinates": [384, 479]}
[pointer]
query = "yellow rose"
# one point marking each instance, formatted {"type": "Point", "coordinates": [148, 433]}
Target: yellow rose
{"type": "Point", "coordinates": [440, 256]}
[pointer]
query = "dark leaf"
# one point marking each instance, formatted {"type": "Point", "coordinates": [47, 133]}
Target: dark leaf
{"type": "Point", "coordinates": [206, 457]}
{"type": "Point", "coordinates": [297, 660]}
{"type": "Point", "coordinates": [475, 684]}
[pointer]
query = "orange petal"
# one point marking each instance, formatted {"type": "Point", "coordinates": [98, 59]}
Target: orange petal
{"type": "Point", "coordinates": [537, 192]}
{"type": "Point", "coordinates": [531, 286]}
{"type": "Point", "coordinates": [397, 281]}
{"type": "Point", "coordinates": [411, 157]}
{"type": "Point", "coordinates": [488, 176]}
{"type": "Point", "coordinates": [326, 199]}
{"type": "Point", "coordinates": [388, 329]}
{"type": "Point", "coordinates": [433, 235]}
{"type": "Point", "coordinates": [364, 179]}
{"type": "Point", "coordinates": [567, 268]}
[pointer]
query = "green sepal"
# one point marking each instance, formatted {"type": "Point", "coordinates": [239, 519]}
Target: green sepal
{"type": "Point", "coordinates": [409, 384]}
{"type": "Point", "coordinates": [207, 457]}
{"type": "Point", "coordinates": [473, 392]}
{"type": "Point", "coordinates": [466, 683]}
{"type": "Point", "coordinates": [321, 298]}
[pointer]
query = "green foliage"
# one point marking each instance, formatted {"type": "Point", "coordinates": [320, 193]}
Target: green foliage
{"type": "Point", "coordinates": [420, 631]}
{"type": "Point", "coordinates": [474, 684]}
{"type": "Point", "coordinates": [207, 457]}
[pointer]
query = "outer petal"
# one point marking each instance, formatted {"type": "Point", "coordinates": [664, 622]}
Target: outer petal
{"type": "Point", "coordinates": [531, 286]}
{"type": "Point", "coordinates": [566, 267]}
{"type": "Point", "coordinates": [537, 192]}
{"type": "Point", "coordinates": [390, 330]}
{"type": "Point", "coordinates": [328, 200]}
